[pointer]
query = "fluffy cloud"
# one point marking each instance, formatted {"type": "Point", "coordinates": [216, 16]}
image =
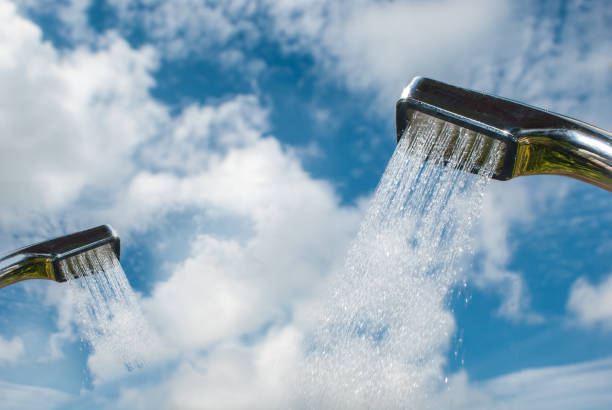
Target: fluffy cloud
{"type": "Point", "coordinates": [107, 151]}
{"type": "Point", "coordinates": [232, 376]}
{"type": "Point", "coordinates": [92, 133]}
{"type": "Point", "coordinates": [11, 350]}
{"type": "Point", "coordinates": [345, 38]}
{"type": "Point", "coordinates": [379, 46]}
{"type": "Point", "coordinates": [460, 42]}
{"type": "Point", "coordinates": [504, 205]}
{"type": "Point", "coordinates": [234, 286]}
{"type": "Point", "coordinates": [71, 122]}
{"type": "Point", "coordinates": [591, 304]}
{"type": "Point", "coordinates": [73, 15]}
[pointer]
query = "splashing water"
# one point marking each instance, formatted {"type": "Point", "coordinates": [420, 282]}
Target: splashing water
{"type": "Point", "coordinates": [108, 314]}
{"type": "Point", "coordinates": [384, 335]}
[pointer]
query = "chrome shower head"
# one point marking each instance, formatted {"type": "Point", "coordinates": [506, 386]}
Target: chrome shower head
{"type": "Point", "coordinates": [42, 260]}
{"type": "Point", "coordinates": [535, 141]}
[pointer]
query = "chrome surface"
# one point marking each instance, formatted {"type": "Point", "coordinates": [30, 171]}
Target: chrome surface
{"type": "Point", "coordinates": [536, 141]}
{"type": "Point", "coordinates": [41, 260]}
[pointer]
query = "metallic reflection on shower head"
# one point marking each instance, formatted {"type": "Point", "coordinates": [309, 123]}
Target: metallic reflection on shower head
{"type": "Point", "coordinates": [42, 260]}
{"type": "Point", "coordinates": [535, 141]}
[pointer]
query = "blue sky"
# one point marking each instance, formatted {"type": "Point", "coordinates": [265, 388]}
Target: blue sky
{"type": "Point", "coordinates": [234, 145]}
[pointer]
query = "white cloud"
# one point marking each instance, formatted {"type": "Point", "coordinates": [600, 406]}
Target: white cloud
{"type": "Point", "coordinates": [11, 350]}
{"type": "Point", "coordinates": [108, 152]}
{"type": "Point", "coordinates": [229, 287]}
{"type": "Point", "coordinates": [379, 46]}
{"type": "Point", "coordinates": [70, 121]}
{"type": "Point", "coordinates": [233, 376]}
{"type": "Point", "coordinates": [375, 46]}
{"type": "Point", "coordinates": [184, 27]}
{"type": "Point", "coordinates": [202, 132]}
{"type": "Point", "coordinates": [18, 396]}
{"type": "Point", "coordinates": [504, 205]}
{"type": "Point", "coordinates": [585, 385]}
{"type": "Point", "coordinates": [345, 38]}
{"type": "Point", "coordinates": [73, 15]}
{"type": "Point", "coordinates": [591, 304]}
{"type": "Point", "coordinates": [203, 302]}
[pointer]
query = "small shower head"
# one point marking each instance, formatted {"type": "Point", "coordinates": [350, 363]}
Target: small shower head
{"type": "Point", "coordinates": [42, 260]}
{"type": "Point", "coordinates": [535, 141]}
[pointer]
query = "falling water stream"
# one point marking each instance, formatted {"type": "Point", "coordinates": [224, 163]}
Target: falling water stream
{"type": "Point", "coordinates": [108, 315]}
{"type": "Point", "coordinates": [384, 335]}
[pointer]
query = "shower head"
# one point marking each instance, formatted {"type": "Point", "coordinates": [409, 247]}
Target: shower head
{"type": "Point", "coordinates": [535, 141]}
{"type": "Point", "coordinates": [42, 260]}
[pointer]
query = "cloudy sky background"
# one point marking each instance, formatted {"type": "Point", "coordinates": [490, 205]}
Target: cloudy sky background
{"type": "Point", "coordinates": [233, 145]}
